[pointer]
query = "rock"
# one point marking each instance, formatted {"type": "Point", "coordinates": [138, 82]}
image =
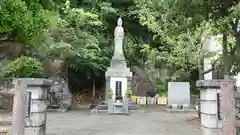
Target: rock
{"type": "Point", "coordinates": [61, 97]}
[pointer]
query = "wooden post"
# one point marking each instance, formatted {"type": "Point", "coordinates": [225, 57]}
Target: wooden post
{"type": "Point", "coordinates": [19, 106]}
{"type": "Point", "coordinates": [227, 107]}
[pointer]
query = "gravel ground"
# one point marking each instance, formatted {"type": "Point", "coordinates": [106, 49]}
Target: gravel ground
{"type": "Point", "coordinates": [152, 122]}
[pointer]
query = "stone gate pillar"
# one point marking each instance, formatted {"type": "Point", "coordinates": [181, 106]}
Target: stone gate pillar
{"type": "Point", "coordinates": [19, 103]}
{"type": "Point", "coordinates": [30, 100]}
{"type": "Point", "coordinates": [210, 118]}
{"type": "Point", "coordinates": [227, 107]}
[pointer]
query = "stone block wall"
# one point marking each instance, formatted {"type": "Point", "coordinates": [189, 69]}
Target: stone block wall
{"type": "Point", "coordinates": [149, 100]}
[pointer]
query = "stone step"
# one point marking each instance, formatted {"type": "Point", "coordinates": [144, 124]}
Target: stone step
{"type": "Point", "coordinates": [129, 112]}
{"type": "Point", "coordinates": [105, 107]}
{"type": "Point", "coordinates": [180, 110]}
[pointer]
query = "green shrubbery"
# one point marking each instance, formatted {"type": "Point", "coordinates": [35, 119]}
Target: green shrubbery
{"type": "Point", "coordinates": [129, 93]}
{"type": "Point", "coordinates": [110, 93]}
{"type": "Point", "coordinates": [161, 88]}
{"type": "Point", "coordinates": [23, 67]}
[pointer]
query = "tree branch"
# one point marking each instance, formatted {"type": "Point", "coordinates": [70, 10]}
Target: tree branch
{"type": "Point", "coordinates": [211, 69]}
{"type": "Point", "coordinates": [207, 71]}
{"type": "Point", "coordinates": [201, 45]}
{"type": "Point", "coordinates": [132, 37]}
{"type": "Point", "coordinates": [234, 25]}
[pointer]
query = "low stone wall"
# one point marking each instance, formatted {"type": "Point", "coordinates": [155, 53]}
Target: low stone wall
{"type": "Point", "coordinates": [149, 100]}
{"type": "Point", "coordinates": [161, 100]}
{"type": "Point", "coordinates": [6, 101]}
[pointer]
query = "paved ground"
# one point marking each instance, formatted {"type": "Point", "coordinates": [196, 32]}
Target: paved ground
{"type": "Point", "coordinates": [153, 122]}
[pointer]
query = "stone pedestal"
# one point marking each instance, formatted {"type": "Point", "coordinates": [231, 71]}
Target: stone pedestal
{"type": "Point", "coordinates": [115, 75]}
{"type": "Point", "coordinates": [33, 103]}
{"type": "Point", "coordinates": [210, 122]}
{"type": "Point", "coordinates": [118, 107]}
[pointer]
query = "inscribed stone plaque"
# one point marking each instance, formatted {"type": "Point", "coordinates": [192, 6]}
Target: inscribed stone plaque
{"type": "Point", "coordinates": [178, 93]}
{"type": "Point", "coordinates": [118, 88]}
{"type": "Point", "coordinates": [28, 104]}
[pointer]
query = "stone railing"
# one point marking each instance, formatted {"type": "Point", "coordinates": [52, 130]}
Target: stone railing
{"type": "Point", "coordinates": [149, 100]}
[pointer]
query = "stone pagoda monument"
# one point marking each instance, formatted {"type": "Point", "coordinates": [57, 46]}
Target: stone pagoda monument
{"type": "Point", "coordinates": [118, 79]}
{"type": "Point", "coordinates": [118, 76]}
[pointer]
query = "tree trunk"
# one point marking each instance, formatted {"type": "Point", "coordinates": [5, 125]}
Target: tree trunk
{"type": "Point", "coordinates": [200, 70]}
{"type": "Point", "coordinates": [94, 90]}
{"type": "Point", "coordinates": [226, 63]}
{"type": "Point", "coordinates": [93, 95]}
{"type": "Point", "coordinates": [236, 33]}
{"type": "Point", "coordinates": [200, 77]}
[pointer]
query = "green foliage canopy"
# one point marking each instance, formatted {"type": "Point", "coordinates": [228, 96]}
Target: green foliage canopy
{"type": "Point", "coordinates": [23, 67]}
{"type": "Point", "coordinates": [23, 20]}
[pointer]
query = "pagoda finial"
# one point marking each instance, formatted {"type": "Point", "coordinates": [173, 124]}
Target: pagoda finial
{"type": "Point", "coordinates": [119, 22]}
{"type": "Point", "coordinates": [119, 32]}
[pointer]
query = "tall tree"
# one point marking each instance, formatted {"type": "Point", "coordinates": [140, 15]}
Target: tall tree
{"type": "Point", "coordinates": [22, 22]}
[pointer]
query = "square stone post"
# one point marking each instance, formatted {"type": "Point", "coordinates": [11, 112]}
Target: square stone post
{"type": "Point", "coordinates": [19, 106]}
{"type": "Point", "coordinates": [227, 105]}
{"type": "Point", "coordinates": [30, 105]}
{"type": "Point", "coordinates": [210, 122]}
{"type": "Point", "coordinates": [36, 120]}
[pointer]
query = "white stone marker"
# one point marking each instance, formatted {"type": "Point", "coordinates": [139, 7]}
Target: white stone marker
{"type": "Point", "coordinates": [179, 93]}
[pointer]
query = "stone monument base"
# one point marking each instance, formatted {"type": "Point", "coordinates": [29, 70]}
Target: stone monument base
{"type": "Point", "coordinates": [57, 110]}
{"type": "Point", "coordinates": [103, 108]}
{"type": "Point", "coordinates": [180, 109]}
